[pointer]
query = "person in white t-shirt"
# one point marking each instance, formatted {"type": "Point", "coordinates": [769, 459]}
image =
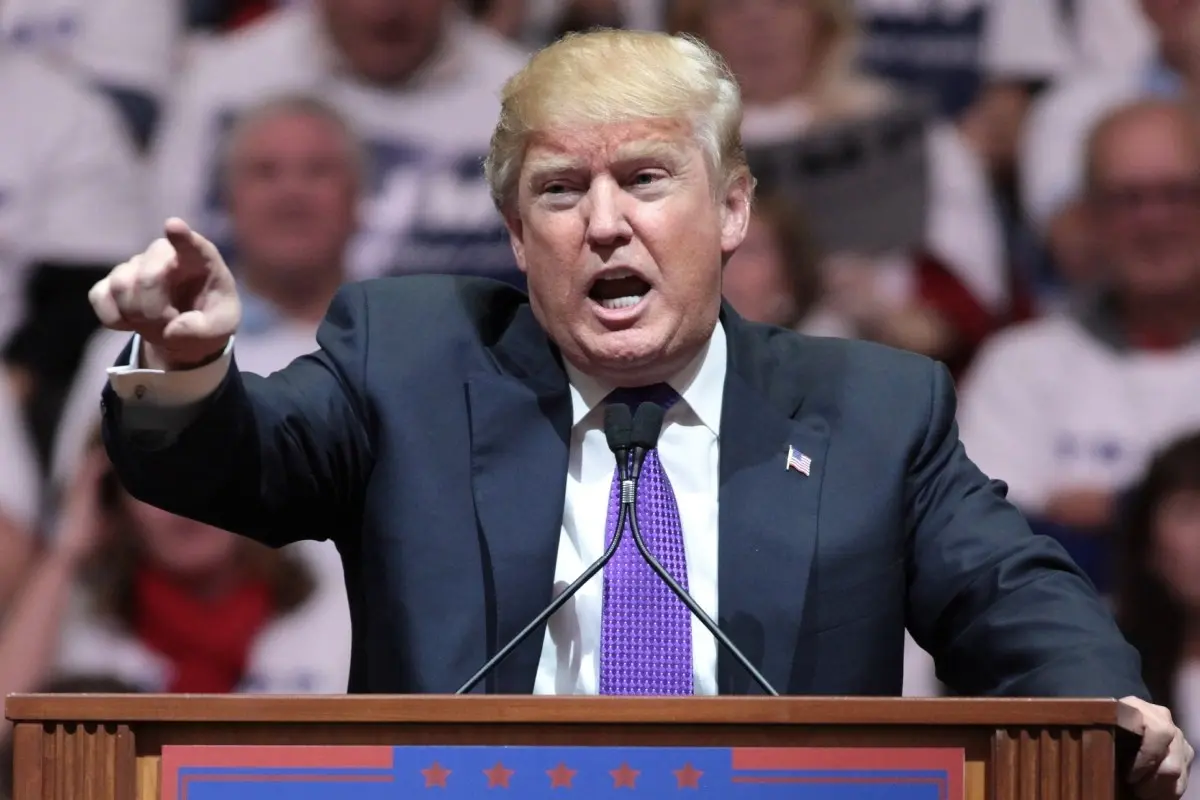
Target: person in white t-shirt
{"type": "Point", "coordinates": [72, 200]}
{"type": "Point", "coordinates": [1068, 409]}
{"type": "Point", "coordinates": [126, 47]}
{"type": "Point", "coordinates": [420, 84]}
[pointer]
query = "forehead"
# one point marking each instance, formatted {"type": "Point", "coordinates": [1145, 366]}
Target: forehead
{"type": "Point", "coordinates": [1155, 144]}
{"type": "Point", "coordinates": [283, 131]}
{"type": "Point", "coordinates": [598, 146]}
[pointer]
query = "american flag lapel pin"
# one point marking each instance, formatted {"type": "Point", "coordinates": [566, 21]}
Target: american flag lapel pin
{"type": "Point", "coordinates": [798, 461]}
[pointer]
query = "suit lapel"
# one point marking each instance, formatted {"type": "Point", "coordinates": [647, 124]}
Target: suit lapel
{"type": "Point", "coordinates": [520, 418]}
{"type": "Point", "coordinates": [768, 512]}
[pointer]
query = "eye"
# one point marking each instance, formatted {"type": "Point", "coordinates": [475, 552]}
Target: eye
{"type": "Point", "coordinates": [646, 178]}
{"type": "Point", "coordinates": [557, 188]}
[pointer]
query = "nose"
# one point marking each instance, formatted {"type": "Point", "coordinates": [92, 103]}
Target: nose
{"type": "Point", "coordinates": [607, 223]}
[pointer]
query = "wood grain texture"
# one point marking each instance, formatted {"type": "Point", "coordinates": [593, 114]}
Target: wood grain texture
{"type": "Point", "coordinates": [1005, 766]}
{"type": "Point", "coordinates": [498, 709]}
{"type": "Point", "coordinates": [1051, 764]}
{"type": "Point", "coordinates": [28, 775]}
{"type": "Point", "coordinates": [1099, 765]}
{"type": "Point", "coordinates": [72, 761]}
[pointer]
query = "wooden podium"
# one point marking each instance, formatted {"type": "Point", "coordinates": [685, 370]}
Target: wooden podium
{"type": "Point", "coordinates": [111, 746]}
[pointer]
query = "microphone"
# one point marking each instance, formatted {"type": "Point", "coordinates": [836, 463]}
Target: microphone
{"type": "Point", "coordinates": [647, 426]}
{"type": "Point", "coordinates": [618, 432]}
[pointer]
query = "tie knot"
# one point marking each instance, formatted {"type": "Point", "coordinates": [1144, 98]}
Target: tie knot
{"type": "Point", "coordinates": [659, 393]}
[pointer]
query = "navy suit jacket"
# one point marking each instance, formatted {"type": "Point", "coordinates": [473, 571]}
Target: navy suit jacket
{"type": "Point", "coordinates": [429, 436]}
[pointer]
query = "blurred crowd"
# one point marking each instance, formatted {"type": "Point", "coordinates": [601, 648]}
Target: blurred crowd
{"type": "Point", "coordinates": [1009, 186]}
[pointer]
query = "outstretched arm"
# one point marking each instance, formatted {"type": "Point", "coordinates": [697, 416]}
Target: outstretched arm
{"type": "Point", "coordinates": [280, 458]}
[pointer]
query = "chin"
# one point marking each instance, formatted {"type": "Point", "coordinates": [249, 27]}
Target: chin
{"type": "Point", "coordinates": [628, 355]}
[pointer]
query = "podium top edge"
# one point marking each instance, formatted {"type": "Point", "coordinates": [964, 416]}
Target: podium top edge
{"type": "Point", "coordinates": [508, 710]}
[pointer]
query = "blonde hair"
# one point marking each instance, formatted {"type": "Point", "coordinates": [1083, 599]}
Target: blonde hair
{"type": "Point", "coordinates": [607, 76]}
{"type": "Point", "coordinates": [840, 88]}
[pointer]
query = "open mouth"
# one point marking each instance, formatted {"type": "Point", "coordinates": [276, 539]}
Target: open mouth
{"type": "Point", "coordinates": [620, 291]}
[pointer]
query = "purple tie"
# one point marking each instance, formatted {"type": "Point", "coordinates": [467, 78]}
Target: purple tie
{"type": "Point", "coordinates": [646, 633]}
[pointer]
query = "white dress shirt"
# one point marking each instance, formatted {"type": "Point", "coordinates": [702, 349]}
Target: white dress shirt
{"type": "Point", "coordinates": [688, 451]}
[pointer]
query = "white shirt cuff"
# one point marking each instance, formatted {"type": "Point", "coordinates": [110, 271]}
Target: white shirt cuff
{"type": "Point", "coordinates": [167, 387]}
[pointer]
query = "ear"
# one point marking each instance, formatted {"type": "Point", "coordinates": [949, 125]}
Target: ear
{"type": "Point", "coordinates": [735, 210]}
{"type": "Point", "coordinates": [516, 236]}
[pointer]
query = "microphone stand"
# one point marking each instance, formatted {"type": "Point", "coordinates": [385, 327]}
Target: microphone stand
{"type": "Point", "coordinates": [650, 427]}
{"type": "Point", "coordinates": [617, 428]}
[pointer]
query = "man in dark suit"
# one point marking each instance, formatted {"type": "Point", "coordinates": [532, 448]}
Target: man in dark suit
{"type": "Point", "coordinates": [448, 435]}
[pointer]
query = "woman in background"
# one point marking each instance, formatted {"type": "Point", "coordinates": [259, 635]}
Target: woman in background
{"type": "Point", "coordinates": [797, 65]}
{"type": "Point", "coordinates": [1158, 580]}
{"type": "Point", "coordinates": [1158, 586]}
{"type": "Point", "coordinates": [167, 604]}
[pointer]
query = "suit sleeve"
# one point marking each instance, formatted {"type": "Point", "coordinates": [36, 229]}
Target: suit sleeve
{"type": "Point", "coordinates": [280, 459]}
{"type": "Point", "coordinates": [1003, 612]}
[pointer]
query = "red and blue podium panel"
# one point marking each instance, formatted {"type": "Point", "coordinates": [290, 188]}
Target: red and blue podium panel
{"type": "Point", "coordinates": [530, 773]}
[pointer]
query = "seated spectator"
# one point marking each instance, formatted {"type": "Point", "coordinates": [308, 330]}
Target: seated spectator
{"type": "Point", "coordinates": [1158, 581]}
{"type": "Point", "coordinates": [128, 48]}
{"type": "Point", "coordinates": [1068, 409]}
{"type": "Point", "coordinates": [171, 605]}
{"type": "Point", "coordinates": [419, 82]}
{"type": "Point", "coordinates": [72, 205]}
{"type": "Point", "coordinates": [292, 173]}
{"type": "Point", "coordinates": [1052, 150]}
{"type": "Point", "coordinates": [796, 66]}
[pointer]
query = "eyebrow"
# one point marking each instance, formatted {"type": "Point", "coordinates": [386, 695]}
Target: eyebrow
{"type": "Point", "coordinates": [636, 151]}
{"type": "Point", "coordinates": [545, 166]}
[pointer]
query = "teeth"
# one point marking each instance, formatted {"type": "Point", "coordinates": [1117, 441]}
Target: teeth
{"type": "Point", "coordinates": [621, 302]}
{"type": "Point", "coordinates": [622, 272]}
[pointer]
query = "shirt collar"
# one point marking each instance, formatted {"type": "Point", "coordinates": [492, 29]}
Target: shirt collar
{"type": "Point", "coordinates": [701, 385]}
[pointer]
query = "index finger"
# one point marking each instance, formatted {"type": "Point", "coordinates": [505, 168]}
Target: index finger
{"type": "Point", "coordinates": [187, 243]}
